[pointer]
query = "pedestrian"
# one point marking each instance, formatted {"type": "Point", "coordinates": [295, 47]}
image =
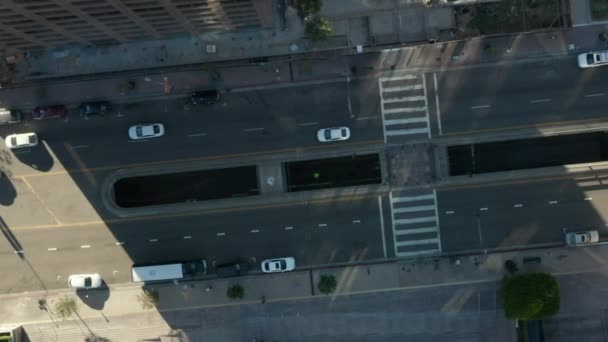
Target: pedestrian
{"type": "Point", "coordinates": [263, 299]}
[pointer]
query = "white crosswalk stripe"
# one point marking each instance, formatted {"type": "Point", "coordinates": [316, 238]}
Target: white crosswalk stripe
{"type": "Point", "coordinates": [415, 223]}
{"type": "Point", "coordinates": [404, 106]}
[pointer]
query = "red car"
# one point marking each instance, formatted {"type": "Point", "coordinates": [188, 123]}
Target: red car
{"type": "Point", "coordinates": [48, 112]}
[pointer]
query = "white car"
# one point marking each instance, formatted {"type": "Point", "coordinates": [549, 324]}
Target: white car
{"type": "Point", "coordinates": [144, 131]}
{"type": "Point", "coordinates": [278, 265]}
{"type": "Point", "coordinates": [84, 281]}
{"type": "Point", "coordinates": [582, 238]}
{"type": "Point", "coordinates": [592, 59]}
{"type": "Point", "coordinates": [21, 140]}
{"type": "Point", "coordinates": [333, 134]}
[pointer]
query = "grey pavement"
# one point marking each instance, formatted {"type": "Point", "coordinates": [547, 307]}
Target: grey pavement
{"type": "Point", "coordinates": [463, 288]}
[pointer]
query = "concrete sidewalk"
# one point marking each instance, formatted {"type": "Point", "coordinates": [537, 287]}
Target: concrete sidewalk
{"type": "Point", "coordinates": [157, 85]}
{"type": "Point", "coordinates": [116, 313]}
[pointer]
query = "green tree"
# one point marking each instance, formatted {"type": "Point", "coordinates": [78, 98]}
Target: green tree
{"type": "Point", "coordinates": [530, 296]}
{"type": "Point", "coordinates": [308, 8]}
{"type": "Point", "coordinates": [148, 298]}
{"type": "Point", "coordinates": [327, 284]}
{"type": "Point", "coordinates": [66, 306]}
{"type": "Point", "coordinates": [318, 29]}
{"type": "Point", "coordinates": [235, 292]}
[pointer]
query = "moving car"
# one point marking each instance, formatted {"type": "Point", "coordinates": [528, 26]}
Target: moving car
{"type": "Point", "coordinates": [95, 108]}
{"type": "Point", "coordinates": [205, 97]}
{"type": "Point", "coordinates": [333, 134]}
{"type": "Point", "coordinates": [10, 116]}
{"type": "Point", "coordinates": [48, 112]}
{"type": "Point", "coordinates": [21, 140]}
{"type": "Point", "coordinates": [582, 238]}
{"type": "Point", "coordinates": [84, 281]}
{"type": "Point", "coordinates": [592, 59]}
{"type": "Point", "coordinates": [278, 265]}
{"type": "Point", "coordinates": [144, 131]}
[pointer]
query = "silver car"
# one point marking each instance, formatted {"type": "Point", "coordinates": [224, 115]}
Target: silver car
{"type": "Point", "coordinates": [582, 238]}
{"type": "Point", "coordinates": [333, 134]}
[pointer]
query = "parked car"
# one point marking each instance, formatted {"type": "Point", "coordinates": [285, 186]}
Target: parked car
{"type": "Point", "coordinates": [333, 134]}
{"type": "Point", "coordinates": [10, 116]}
{"type": "Point", "coordinates": [145, 131]}
{"type": "Point", "coordinates": [592, 59]}
{"type": "Point", "coordinates": [48, 112]}
{"type": "Point", "coordinates": [205, 97]}
{"type": "Point", "coordinates": [582, 238]}
{"type": "Point", "coordinates": [95, 108]}
{"type": "Point", "coordinates": [84, 281]}
{"type": "Point", "coordinates": [21, 140]}
{"type": "Point", "coordinates": [231, 269]}
{"type": "Point", "coordinates": [278, 265]}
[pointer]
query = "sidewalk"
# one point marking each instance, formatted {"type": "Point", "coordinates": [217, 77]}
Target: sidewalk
{"type": "Point", "coordinates": [117, 314]}
{"type": "Point", "coordinates": [455, 54]}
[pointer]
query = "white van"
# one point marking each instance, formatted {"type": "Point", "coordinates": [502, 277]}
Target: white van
{"type": "Point", "coordinates": [174, 271]}
{"type": "Point", "coordinates": [9, 116]}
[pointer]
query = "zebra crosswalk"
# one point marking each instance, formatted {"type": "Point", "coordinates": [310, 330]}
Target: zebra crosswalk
{"type": "Point", "coordinates": [404, 106]}
{"type": "Point", "coordinates": [415, 223]}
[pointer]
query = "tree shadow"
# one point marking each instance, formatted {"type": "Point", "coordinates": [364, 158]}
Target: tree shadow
{"type": "Point", "coordinates": [8, 193]}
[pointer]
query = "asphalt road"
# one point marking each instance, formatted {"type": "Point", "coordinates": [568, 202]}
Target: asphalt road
{"type": "Point", "coordinates": [318, 233]}
{"type": "Point", "coordinates": [521, 214]}
{"type": "Point", "coordinates": [526, 94]}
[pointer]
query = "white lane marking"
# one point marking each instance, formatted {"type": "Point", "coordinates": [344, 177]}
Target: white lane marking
{"type": "Point", "coordinates": [51, 249]}
{"type": "Point", "coordinates": [253, 129]}
{"type": "Point", "coordinates": [80, 146]}
{"type": "Point", "coordinates": [221, 234]}
{"type": "Point", "coordinates": [85, 246]}
{"type": "Point", "coordinates": [322, 224]}
{"type": "Point", "coordinates": [367, 118]}
{"type": "Point", "coordinates": [552, 202]}
{"type": "Point", "coordinates": [540, 101]}
{"type": "Point", "coordinates": [594, 95]}
{"type": "Point", "coordinates": [382, 225]}
{"type": "Point", "coordinates": [120, 243]}
{"type": "Point", "coordinates": [254, 231]}
{"type": "Point", "coordinates": [588, 198]}
{"type": "Point", "coordinates": [197, 135]}
{"type": "Point", "coordinates": [483, 209]}
{"type": "Point", "coordinates": [153, 240]}
{"type": "Point", "coordinates": [437, 104]}
{"type": "Point", "coordinates": [138, 141]}
{"type": "Point", "coordinates": [450, 212]}
{"type": "Point", "coordinates": [288, 228]}
{"type": "Point", "coordinates": [479, 107]}
{"type": "Point", "coordinates": [437, 217]}
{"type": "Point", "coordinates": [308, 124]}
{"type": "Point", "coordinates": [350, 108]}
{"type": "Point", "coordinates": [518, 205]}
{"type": "Point", "coordinates": [356, 221]}
{"type": "Point", "coordinates": [18, 252]}
{"type": "Point", "coordinates": [187, 237]}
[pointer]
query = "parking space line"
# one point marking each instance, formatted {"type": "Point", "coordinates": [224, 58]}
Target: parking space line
{"type": "Point", "coordinates": [253, 129]}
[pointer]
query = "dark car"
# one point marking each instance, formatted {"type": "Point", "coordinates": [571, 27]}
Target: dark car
{"type": "Point", "coordinates": [48, 112]}
{"type": "Point", "coordinates": [231, 269]}
{"type": "Point", "coordinates": [95, 108]}
{"type": "Point", "coordinates": [205, 97]}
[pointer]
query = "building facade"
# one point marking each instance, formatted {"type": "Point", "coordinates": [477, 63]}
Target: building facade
{"type": "Point", "coordinates": [40, 24]}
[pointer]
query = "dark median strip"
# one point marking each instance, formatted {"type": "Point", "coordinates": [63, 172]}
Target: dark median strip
{"type": "Point", "coordinates": [528, 153]}
{"type": "Point", "coordinates": [186, 186]}
{"type": "Point", "coordinates": [333, 173]}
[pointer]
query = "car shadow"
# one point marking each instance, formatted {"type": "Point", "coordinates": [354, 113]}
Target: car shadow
{"type": "Point", "coordinates": [8, 193]}
{"type": "Point", "coordinates": [37, 157]}
{"type": "Point", "coordinates": [95, 298]}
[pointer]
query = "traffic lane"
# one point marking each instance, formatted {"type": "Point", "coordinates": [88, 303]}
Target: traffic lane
{"type": "Point", "coordinates": [519, 215]}
{"type": "Point", "coordinates": [461, 90]}
{"type": "Point", "coordinates": [506, 110]}
{"type": "Point", "coordinates": [318, 233]}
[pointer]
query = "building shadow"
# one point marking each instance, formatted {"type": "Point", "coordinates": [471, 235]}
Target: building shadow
{"type": "Point", "coordinates": [37, 157]}
{"type": "Point", "coordinates": [8, 193]}
{"type": "Point", "coordinates": [95, 299]}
